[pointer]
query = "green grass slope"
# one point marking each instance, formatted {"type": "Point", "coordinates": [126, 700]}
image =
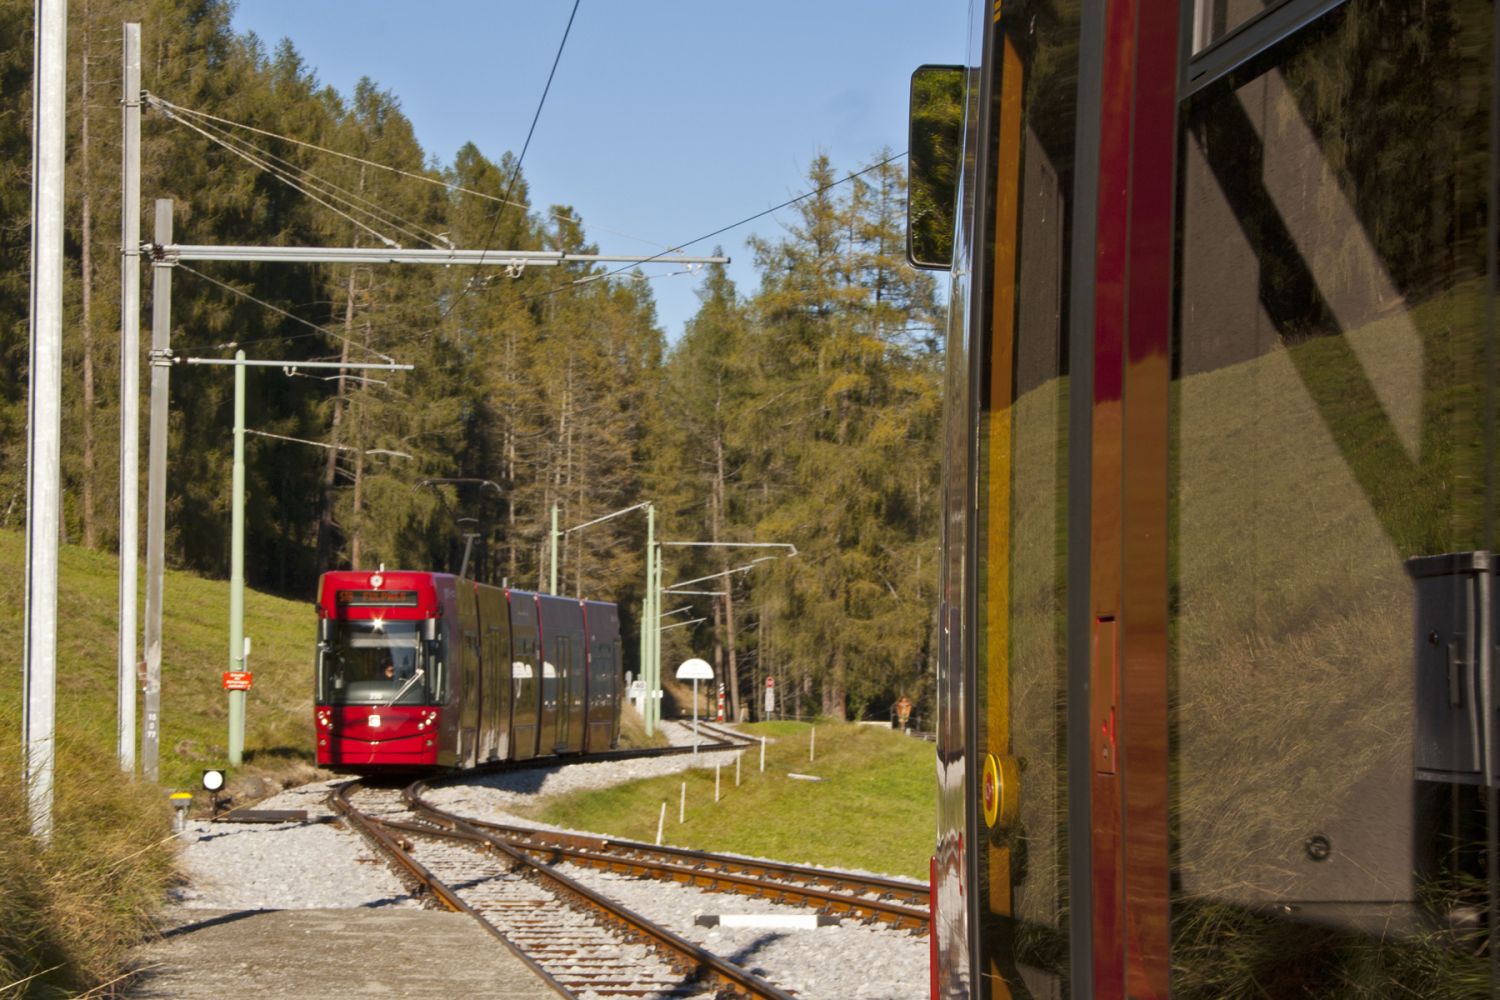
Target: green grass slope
{"type": "Point", "coordinates": [873, 808]}
{"type": "Point", "coordinates": [195, 653]}
{"type": "Point", "coordinates": [71, 909]}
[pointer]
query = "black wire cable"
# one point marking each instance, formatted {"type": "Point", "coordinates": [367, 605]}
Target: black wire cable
{"type": "Point", "coordinates": [723, 229]}
{"type": "Point", "coordinates": [516, 174]}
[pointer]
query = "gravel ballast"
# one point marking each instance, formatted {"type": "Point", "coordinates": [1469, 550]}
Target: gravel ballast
{"type": "Point", "coordinates": [317, 865]}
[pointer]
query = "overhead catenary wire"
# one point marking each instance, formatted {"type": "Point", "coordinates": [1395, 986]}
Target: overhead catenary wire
{"type": "Point", "coordinates": [323, 330]}
{"type": "Point", "coordinates": [355, 200]}
{"type": "Point", "coordinates": [722, 229]}
{"type": "Point", "coordinates": [325, 444]}
{"type": "Point", "coordinates": [166, 105]}
{"type": "Point", "coordinates": [329, 192]}
{"type": "Point", "coordinates": [271, 170]}
{"type": "Point", "coordinates": [516, 173]}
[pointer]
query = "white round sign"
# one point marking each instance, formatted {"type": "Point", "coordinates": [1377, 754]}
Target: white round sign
{"type": "Point", "coordinates": [695, 670]}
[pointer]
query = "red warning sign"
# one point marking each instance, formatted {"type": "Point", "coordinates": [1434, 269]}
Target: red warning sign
{"type": "Point", "coordinates": [236, 680]}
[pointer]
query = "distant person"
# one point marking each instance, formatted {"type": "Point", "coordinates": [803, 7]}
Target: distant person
{"type": "Point", "coordinates": [389, 670]}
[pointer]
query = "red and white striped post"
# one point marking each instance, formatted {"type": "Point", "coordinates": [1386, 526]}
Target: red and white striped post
{"type": "Point", "coordinates": [721, 703]}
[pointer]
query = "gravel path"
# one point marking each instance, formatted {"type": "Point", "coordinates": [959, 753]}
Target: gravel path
{"type": "Point", "coordinates": [284, 866]}
{"type": "Point", "coordinates": [315, 865]}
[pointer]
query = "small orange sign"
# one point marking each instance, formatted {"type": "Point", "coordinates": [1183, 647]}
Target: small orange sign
{"type": "Point", "coordinates": [236, 680]}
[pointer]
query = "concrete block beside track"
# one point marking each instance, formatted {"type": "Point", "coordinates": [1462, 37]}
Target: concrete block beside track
{"type": "Point", "coordinates": [283, 954]}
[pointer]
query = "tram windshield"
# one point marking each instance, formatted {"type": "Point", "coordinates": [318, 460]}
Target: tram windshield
{"type": "Point", "coordinates": [377, 662]}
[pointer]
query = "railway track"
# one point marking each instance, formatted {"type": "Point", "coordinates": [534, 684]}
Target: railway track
{"type": "Point", "coordinates": [509, 878]}
{"type": "Point", "coordinates": [900, 903]}
{"type": "Point", "coordinates": [578, 942]}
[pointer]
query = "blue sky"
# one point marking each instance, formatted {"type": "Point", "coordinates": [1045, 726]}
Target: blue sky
{"type": "Point", "coordinates": [667, 119]}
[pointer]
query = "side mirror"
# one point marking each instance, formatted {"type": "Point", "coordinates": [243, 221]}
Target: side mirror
{"type": "Point", "coordinates": [325, 631]}
{"type": "Point", "coordinates": [429, 629]}
{"type": "Point", "coordinates": [934, 150]}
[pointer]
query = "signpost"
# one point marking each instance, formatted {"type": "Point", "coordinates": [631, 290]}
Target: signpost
{"type": "Point", "coordinates": [695, 670]}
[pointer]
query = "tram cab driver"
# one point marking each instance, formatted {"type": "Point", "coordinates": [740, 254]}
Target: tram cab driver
{"type": "Point", "coordinates": [389, 671]}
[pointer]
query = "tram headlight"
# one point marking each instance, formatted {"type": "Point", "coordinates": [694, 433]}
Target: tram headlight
{"type": "Point", "coordinates": [213, 780]}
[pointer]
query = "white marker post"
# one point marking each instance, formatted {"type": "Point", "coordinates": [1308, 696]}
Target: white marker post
{"type": "Point", "coordinates": [695, 670]}
{"type": "Point", "coordinates": [661, 822]}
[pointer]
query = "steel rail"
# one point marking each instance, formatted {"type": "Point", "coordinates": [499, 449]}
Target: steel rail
{"type": "Point", "coordinates": [693, 961]}
{"type": "Point", "coordinates": [832, 891]}
{"type": "Point", "coordinates": [903, 904]}
{"type": "Point", "coordinates": [416, 872]}
{"type": "Point", "coordinates": [746, 882]}
{"type": "Point", "coordinates": [697, 962]}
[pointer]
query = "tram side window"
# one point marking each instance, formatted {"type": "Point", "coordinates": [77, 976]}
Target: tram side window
{"type": "Point", "coordinates": [1213, 19]}
{"type": "Point", "coordinates": [1332, 371]}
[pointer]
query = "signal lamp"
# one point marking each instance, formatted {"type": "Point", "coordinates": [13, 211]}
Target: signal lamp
{"type": "Point", "coordinates": [213, 780]}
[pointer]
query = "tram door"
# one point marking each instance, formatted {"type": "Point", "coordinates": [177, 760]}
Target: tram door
{"type": "Point", "coordinates": [1018, 549]}
{"type": "Point", "coordinates": [495, 670]}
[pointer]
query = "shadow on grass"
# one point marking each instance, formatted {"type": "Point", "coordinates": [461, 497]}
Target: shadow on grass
{"type": "Point", "coordinates": [280, 755]}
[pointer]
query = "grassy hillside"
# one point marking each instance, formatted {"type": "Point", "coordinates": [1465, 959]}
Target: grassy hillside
{"type": "Point", "coordinates": [70, 910]}
{"type": "Point", "coordinates": [195, 647]}
{"type": "Point", "coordinates": [873, 809]}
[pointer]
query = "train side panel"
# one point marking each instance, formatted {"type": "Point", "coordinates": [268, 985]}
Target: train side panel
{"type": "Point", "coordinates": [494, 675]}
{"type": "Point", "coordinates": [563, 678]}
{"type": "Point", "coordinates": [602, 694]}
{"type": "Point", "coordinates": [526, 688]}
{"type": "Point", "coordinates": [465, 690]}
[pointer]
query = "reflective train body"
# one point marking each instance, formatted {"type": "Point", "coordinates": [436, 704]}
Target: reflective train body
{"type": "Point", "coordinates": [428, 670]}
{"type": "Point", "coordinates": [1218, 704]}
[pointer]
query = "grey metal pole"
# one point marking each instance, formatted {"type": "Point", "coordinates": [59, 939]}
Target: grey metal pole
{"type": "Point", "coordinates": [648, 614]}
{"type": "Point", "coordinates": [552, 587]}
{"type": "Point", "coordinates": [237, 569]}
{"type": "Point", "coordinates": [656, 598]}
{"type": "Point", "coordinates": [44, 417]}
{"type": "Point", "coordinates": [156, 489]}
{"type": "Point", "coordinates": [130, 389]}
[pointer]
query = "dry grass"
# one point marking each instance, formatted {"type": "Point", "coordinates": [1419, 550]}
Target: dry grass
{"type": "Point", "coordinates": [633, 731]}
{"type": "Point", "coordinates": [71, 910]}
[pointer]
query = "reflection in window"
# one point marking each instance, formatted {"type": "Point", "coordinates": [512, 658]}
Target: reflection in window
{"type": "Point", "coordinates": [1021, 595]}
{"type": "Point", "coordinates": [1328, 442]}
{"type": "Point", "coordinates": [1213, 19]}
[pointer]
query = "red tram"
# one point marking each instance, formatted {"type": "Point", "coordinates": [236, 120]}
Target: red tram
{"type": "Point", "coordinates": [429, 670]}
{"type": "Point", "coordinates": [1219, 714]}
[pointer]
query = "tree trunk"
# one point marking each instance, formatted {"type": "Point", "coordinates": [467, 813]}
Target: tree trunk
{"type": "Point", "coordinates": [721, 511]}
{"type": "Point", "coordinates": [328, 529]}
{"type": "Point", "coordinates": [327, 545]}
{"type": "Point", "coordinates": [718, 619]}
{"type": "Point", "coordinates": [835, 688]}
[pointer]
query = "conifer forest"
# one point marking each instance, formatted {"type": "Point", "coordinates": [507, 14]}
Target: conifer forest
{"type": "Point", "coordinates": [805, 410]}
